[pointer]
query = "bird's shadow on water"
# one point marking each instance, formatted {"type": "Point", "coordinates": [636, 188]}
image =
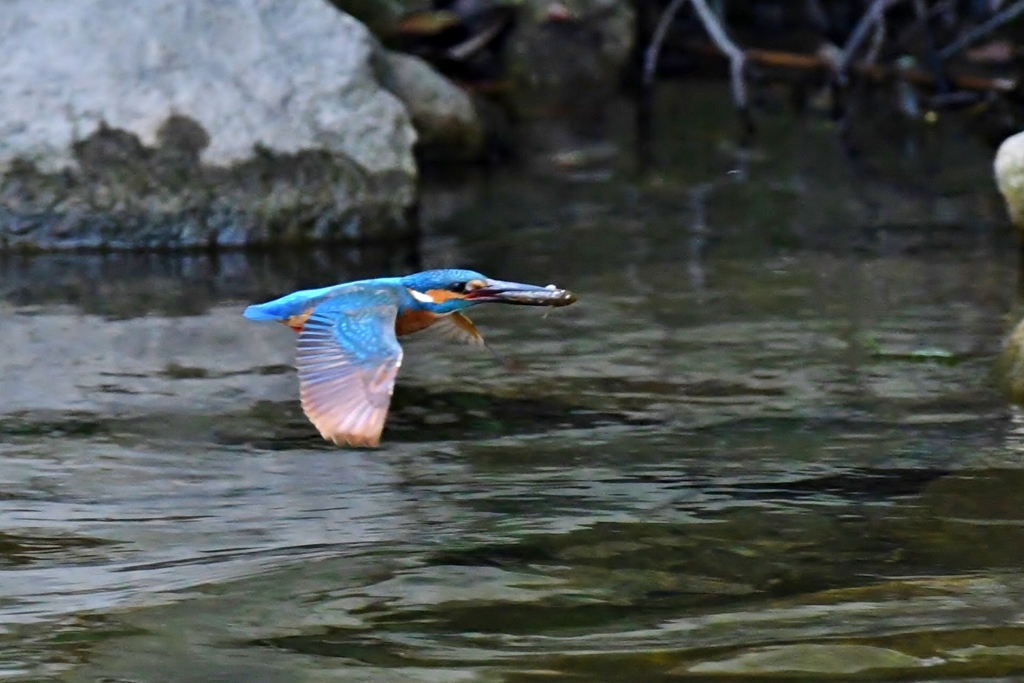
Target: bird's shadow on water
{"type": "Point", "coordinates": [420, 415]}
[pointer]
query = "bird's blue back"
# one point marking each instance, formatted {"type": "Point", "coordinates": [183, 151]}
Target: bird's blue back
{"type": "Point", "coordinates": [297, 303]}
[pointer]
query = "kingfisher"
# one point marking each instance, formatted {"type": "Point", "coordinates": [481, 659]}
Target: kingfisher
{"type": "Point", "coordinates": [348, 352]}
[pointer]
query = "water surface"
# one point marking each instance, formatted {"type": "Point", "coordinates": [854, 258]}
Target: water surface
{"type": "Point", "coordinates": [752, 449]}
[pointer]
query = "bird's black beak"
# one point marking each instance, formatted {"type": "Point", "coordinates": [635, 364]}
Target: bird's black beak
{"type": "Point", "coordinates": [524, 295]}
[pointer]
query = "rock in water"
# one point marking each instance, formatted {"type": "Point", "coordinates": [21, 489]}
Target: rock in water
{"type": "Point", "coordinates": [810, 658]}
{"type": "Point", "coordinates": [1009, 366]}
{"type": "Point", "coordinates": [446, 121]}
{"type": "Point", "coordinates": [183, 123]}
{"type": "Point", "coordinates": [1009, 170]}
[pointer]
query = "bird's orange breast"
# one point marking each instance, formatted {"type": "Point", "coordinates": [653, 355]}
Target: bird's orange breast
{"type": "Point", "coordinates": [414, 321]}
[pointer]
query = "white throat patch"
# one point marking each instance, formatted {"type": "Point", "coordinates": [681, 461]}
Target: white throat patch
{"type": "Point", "coordinates": [420, 296]}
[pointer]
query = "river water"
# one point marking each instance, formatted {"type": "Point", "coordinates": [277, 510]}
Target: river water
{"type": "Point", "coordinates": [765, 443]}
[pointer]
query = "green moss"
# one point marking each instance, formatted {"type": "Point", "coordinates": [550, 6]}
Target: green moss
{"type": "Point", "coordinates": [123, 194]}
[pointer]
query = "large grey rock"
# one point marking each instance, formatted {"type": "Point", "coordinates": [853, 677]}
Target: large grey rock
{"type": "Point", "coordinates": [446, 121]}
{"type": "Point", "coordinates": [189, 122]}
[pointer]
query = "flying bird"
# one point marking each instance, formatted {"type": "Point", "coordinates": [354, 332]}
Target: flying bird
{"type": "Point", "coordinates": [348, 352]}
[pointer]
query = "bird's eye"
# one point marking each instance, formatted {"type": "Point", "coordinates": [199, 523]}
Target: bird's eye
{"type": "Point", "coordinates": [463, 287]}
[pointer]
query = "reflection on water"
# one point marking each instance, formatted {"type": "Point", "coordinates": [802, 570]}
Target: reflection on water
{"type": "Point", "coordinates": [742, 453]}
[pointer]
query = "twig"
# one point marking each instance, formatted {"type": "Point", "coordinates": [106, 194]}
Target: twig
{"type": "Point", "coordinates": [660, 31]}
{"type": "Point", "coordinates": [737, 58]}
{"type": "Point", "coordinates": [467, 48]}
{"type": "Point", "coordinates": [797, 60]}
{"type": "Point", "coordinates": [860, 32]}
{"type": "Point", "coordinates": [982, 30]}
{"type": "Point", "coordinates": [877, 39]}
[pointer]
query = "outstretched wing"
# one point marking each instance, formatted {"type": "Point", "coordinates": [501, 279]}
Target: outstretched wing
{"type": "Point", "coordinates": [347, 360]}
{"type": "Point", "coordinates": [451, 326]}
{"type": "Point", "coordinates": [459, 328]}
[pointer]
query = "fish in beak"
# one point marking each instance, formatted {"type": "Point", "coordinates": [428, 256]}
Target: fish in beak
{"type": "Point", "coordinates": [497, 291]}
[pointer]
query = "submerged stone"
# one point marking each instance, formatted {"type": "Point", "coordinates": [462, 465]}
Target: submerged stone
{"type": "Point", "coordinates": [179, 123]}
{"type": "Point", "coordinates": [1009, 367]}
{"type": "Point", "coordinates": [809, 659]}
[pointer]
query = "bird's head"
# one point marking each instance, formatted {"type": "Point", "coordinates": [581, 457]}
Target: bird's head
{"type": "Point", "coordinates": [445, 291]}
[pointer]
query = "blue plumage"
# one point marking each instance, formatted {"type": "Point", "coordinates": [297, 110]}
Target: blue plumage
{"type": "Point", "coordinates": [440, 279]}
{"type": "Point", "coordinates": [348, 358]}
{"type": "Point", "coordinates": [297, 303]}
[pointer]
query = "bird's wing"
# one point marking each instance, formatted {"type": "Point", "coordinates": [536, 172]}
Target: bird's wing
{"type": "Point", "coordinates": [458, 327]}
{"type": "Point", "coordinates": [347, 360]}
{"type": "Point", "coordinates": [293, 305]}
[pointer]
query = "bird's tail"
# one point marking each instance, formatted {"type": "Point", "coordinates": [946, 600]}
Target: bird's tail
{"type": "Point", "coordinates": [267, 311]}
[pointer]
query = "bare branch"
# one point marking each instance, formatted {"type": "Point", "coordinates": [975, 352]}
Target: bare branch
{"type": "Point", "coordinates": [860, 32]}
{"type": "Point", "coordinates": [660, 31]}
{"type": "Point", "coordinates": [917, 76]}
{"type": "Point", "coordinates": [737, 58]}
{"type": "Point", "coordinates": [876, 42]}
{"type": "Point", "coordinates": [982, 30]}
